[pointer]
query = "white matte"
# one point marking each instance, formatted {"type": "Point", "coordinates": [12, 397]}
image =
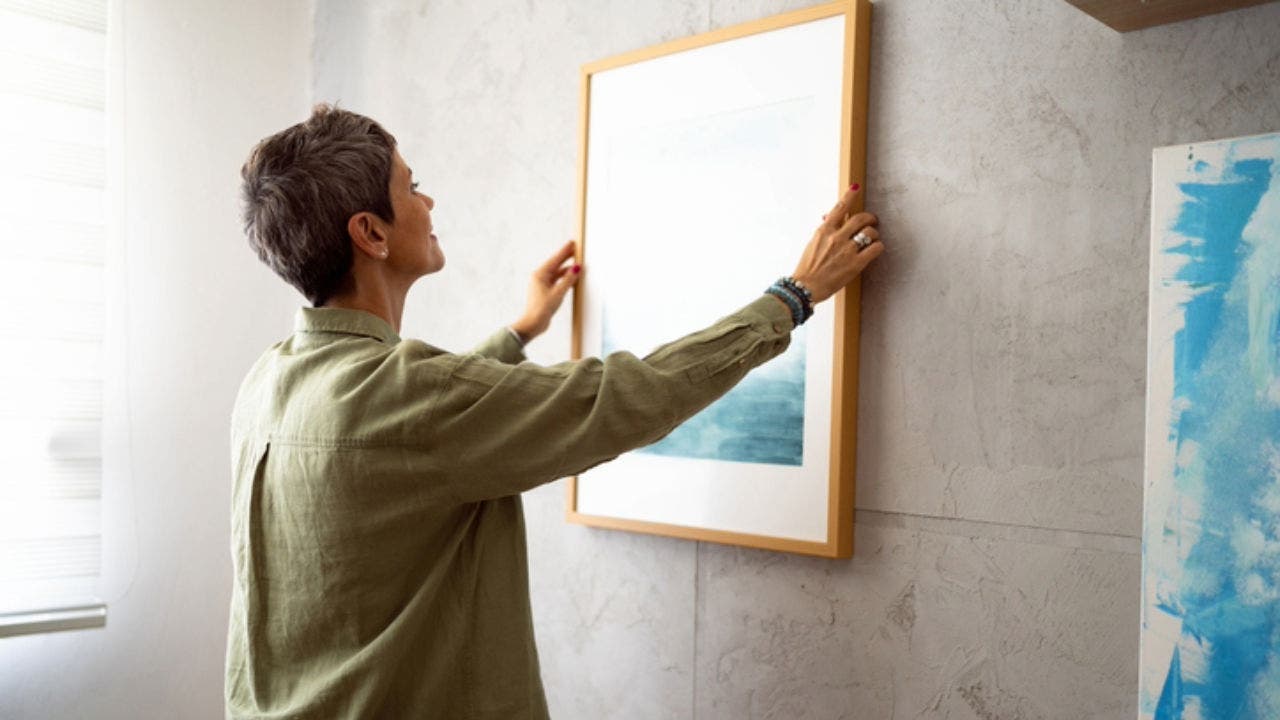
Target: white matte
{"type": "Point", "coordinates": [707, 172]}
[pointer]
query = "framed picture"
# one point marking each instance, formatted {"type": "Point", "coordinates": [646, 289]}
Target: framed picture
{"type": "Point", "coordinates": [706, 165]}
{"type": "Point", "coordinates": [1211, 506]}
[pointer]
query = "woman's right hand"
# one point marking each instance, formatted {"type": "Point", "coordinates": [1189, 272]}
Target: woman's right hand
{"type": "Point", "coordinates": [832, 259]}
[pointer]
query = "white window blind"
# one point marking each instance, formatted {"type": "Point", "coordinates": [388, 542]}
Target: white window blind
{"type": "Point", "coordinates": [53, 133]}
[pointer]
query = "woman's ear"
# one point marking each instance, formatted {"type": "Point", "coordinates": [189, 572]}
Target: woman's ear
{"type": "Point", "coordinates": [368, 234]}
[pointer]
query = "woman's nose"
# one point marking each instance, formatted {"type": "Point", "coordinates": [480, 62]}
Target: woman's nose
{"type": "Point", "coordinates": [431, 204]}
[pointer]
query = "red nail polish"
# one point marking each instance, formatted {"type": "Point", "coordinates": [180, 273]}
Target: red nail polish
{"type": "Point", "coordinates": [577, 268]}
{"type": "Point", "coordinates": [854, 186]}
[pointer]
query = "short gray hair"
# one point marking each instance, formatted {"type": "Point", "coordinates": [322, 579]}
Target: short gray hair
{"type": "Point", "coordinates": [301, 186]}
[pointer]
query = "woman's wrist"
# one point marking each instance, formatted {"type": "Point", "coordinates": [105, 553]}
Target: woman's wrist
{"type": "Point", "coordinates": [797, 298]}
{"type": "Point", "coordinates": [518, 336]}
{"type": "Point", "coordinates": [523, 331]}
{"type": "Point", "coordinates": [816, 293]}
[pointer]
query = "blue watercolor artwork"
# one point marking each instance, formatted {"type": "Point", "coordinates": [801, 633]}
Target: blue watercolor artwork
{"type": "Point", "coordinates": [1211, 539]}
{"type": "Point", "coordinates": [761, 420]}
{"type": "Point", "coordinates": [702, 221]}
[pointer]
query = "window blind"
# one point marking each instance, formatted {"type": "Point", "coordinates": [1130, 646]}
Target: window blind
{"type": "Point", "coordinates": [53, 133]}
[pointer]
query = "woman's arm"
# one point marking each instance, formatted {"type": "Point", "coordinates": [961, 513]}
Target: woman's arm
{"type": "Point", "coordinates": [501, 429]}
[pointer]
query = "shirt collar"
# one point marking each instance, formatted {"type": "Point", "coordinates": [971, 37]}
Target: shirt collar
{"type": "Point", "coordinates": [342, 320]}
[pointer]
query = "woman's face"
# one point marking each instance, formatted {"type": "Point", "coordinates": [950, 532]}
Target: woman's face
{"type": "Point", "coordinates": [411, 246]}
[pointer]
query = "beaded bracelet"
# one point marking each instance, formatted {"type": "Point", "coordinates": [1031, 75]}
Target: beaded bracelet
{"type": "Point", "coordinates": [801, 294]}
{"type": "Point", "coordinates": [798, 287]}
{"type": "Point", "coordinates": [795, 297]}
{"type": "Point", "coordinates": [797, 313]}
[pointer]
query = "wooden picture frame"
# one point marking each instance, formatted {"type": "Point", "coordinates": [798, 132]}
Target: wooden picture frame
{"type": "Point", "coordinates": [791, 92]}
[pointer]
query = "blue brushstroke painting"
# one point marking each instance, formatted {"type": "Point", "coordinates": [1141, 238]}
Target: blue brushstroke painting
{"type": "Point", "coordinates": [761, 420]}
{"type": "Point", "coordinates": [1212, 561]}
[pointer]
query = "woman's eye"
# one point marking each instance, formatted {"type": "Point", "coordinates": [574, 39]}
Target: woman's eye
{"type": "Point", "coordinates": [413, 186]}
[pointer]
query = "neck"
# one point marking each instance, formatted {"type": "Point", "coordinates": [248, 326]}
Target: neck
{"type": "Point", "coordinates": [374, 296]}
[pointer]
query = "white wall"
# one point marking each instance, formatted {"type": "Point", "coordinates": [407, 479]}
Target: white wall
{"type": "Point", "coordinates": [195, 85]}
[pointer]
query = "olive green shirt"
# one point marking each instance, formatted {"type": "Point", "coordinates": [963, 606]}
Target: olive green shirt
{"type": "Point", "coordinates": [377, 534]}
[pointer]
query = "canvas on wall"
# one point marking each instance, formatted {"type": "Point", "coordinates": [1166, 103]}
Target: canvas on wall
{"type": "Point", "coordinates": [1210, 637]}
{"type": "Point", "coordinates": [708, 165]}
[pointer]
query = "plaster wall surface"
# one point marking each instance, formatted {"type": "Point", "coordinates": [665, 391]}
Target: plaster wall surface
{"type": "Point", "coordinates": [193, 85]}
{"type": "Point", "coordinates": [996, 570]}
{"type": "Point", "coordinates": [1000, 443]}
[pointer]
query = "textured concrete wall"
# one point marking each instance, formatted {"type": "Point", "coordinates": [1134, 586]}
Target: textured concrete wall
{"type": "Point", "coordinates": [999, 482]}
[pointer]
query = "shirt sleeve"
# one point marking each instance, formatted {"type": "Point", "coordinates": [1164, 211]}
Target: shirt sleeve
{"type": "Point", "coordinates": [503, 429]}
{"type": "Point", "coordinates": [501, 346]}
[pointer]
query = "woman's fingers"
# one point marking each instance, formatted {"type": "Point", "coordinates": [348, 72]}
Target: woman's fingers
{"type": "Point", "coordinates": [859, 222]}
{"type": "Point", "coordinates": [841, 209]}
{"type": "Point", "coordinates": [558, 281]}
{"type": "Point", "coordinates": [833, 258]}
{"type": "Point", "coordinates": [864, 249]}
{"type": "Point", "coordinates": [552, 266]}
{"type": "Point", "coordinates": [867, 254]}
{"type": "Point", "coordinates": [861, 260]}
{"type": "Point", "coordinates": [568, 277]}
{"type": "Point", "coordinates": [864, 238]}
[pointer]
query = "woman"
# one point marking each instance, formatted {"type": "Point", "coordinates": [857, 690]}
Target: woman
{"type": "Point", "coordinates": [377, 531]}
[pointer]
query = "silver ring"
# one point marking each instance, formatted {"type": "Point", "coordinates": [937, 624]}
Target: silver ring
{"type": "Point", "coordinates": [861, 239]}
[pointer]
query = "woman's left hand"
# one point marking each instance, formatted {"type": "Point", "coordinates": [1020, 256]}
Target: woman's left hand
{"type": "Point", "coordinates": [547, 288]}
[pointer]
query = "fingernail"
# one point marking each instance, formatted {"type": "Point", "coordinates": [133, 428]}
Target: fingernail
{"type": "Point", "coordinates": [854, 186]}
{"type": "Point", "coordinates": [577, 268]}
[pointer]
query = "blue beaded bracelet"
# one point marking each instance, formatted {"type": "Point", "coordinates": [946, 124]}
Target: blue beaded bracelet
{"type": "Point", "coordinates": [798, 287]}
{"type": "Point", "coordinates": [797, 314]}
{"type": "Point", "coordinates": [796, 298]}
{"type": "Point", "coordinates": [802, 297]}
